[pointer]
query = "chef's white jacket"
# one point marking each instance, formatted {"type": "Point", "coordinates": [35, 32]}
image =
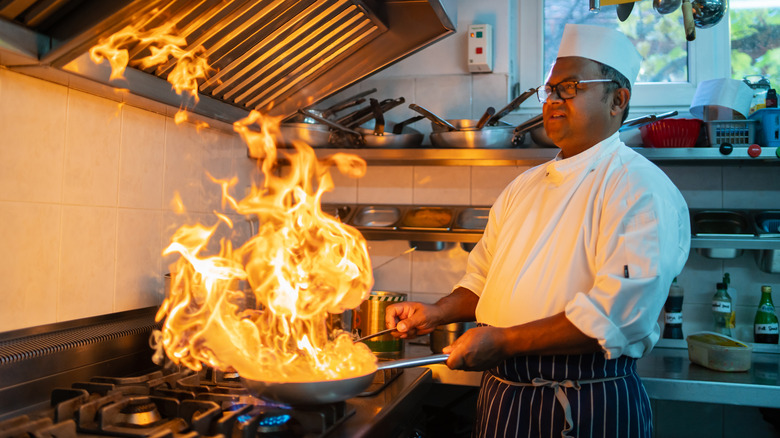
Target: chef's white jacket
{"type": "Point", "coordinates": [599, 235]}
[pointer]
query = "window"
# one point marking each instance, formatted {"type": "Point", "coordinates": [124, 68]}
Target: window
{"type": "Point", "coordinates": [660, 39]}
{"type": "Point", "coordinates": [747, 42]}
{"type": "Point", "coordinates": [755, 39]}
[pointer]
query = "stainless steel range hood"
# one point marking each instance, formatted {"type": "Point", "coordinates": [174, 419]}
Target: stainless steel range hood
{"type": "Point", "coordinates": [274, 56]}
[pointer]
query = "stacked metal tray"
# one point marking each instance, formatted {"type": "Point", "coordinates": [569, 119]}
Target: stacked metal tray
{"type": "Point", "coordinates": [414, 223]}
{"type": "Point", "coordinates": [726, 234]}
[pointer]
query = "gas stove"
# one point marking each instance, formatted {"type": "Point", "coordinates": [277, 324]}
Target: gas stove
{"type": "Point", "coordinates": [76, 381]}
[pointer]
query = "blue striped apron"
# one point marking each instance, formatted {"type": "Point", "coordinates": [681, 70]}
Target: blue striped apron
{"type": "Point", "coordinates": [563, 395]}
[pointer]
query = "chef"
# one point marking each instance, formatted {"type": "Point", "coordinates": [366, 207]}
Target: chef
{"type": "Point", "coordinates": [573, 269]}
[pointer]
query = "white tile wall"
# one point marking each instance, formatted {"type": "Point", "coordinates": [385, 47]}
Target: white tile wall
{"type": "Point", "coordinates": [85, 191]}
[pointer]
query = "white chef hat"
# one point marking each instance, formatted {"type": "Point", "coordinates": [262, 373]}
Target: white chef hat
{"type": "Point", "coordinates": [607, 46]}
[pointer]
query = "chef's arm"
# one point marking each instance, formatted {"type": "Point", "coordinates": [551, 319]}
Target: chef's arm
{"type": "Point", "coordinates": [482, 348]}
{"type": "Point", "coordinates": [413, 319]}
{"type": "Point", "coordinates": [551, 335]}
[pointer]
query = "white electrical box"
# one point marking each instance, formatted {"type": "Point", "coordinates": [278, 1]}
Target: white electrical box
{"type": "Point", "coordinates": [480, 46]}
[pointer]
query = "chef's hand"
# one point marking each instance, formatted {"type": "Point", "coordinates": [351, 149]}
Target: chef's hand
{"type": "Point", "coordinates": [478, 349]}
{"type": "Point", "coordinates": [411, 318]}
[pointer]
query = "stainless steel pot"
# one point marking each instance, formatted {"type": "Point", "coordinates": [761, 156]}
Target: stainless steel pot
{"type": "Point", "coordinates": [467, 136]}
{"type": "Point", "coordinates": [445, 335]}
{"type": "Point", "coordinates": [315, 135]}
{"type": "Point", "coordinates": [328, 391]}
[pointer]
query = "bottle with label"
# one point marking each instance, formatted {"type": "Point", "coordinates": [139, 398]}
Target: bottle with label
{"type": "Point", "coordinates": [721, 310]}
{"type": "Point", "coordinates": [733, 295]}
{"type": "Point", "coordinates": [765, 329]}
{"type": "Point", "coordinates": [673, 318]}
{"type": "Point", "coordinates": [771, 98]}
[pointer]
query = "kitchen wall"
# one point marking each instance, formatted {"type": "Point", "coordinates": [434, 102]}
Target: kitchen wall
{"type": "Point", "coordinates": [86, 190]}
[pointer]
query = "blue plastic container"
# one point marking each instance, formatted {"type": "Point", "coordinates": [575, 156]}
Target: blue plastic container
{"type": "Point", "coordinates": [769, 131]}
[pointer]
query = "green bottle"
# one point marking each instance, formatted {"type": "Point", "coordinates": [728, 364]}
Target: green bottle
{"type": "Point", "coordinates": [733, 295]}
{"type": "Point", "coordinates": [721, 310]}
{"type": "Point", "coordinates": [765, 325]}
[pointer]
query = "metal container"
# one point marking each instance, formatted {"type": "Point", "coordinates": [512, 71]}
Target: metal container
{"type": "Point", "coordinates": [427, 218]}
{"type": "Point", "coordinates": [370, 319]}
{"type": "Point", "coordinates": [470, 219]}
{"type": "Point", "coordinates": [721, 223]}
{"type": "Point", "coordinates": [445, 335]}
{"type": "Point", "coordinates": [314, 135]}
{"type": "Point", "coordinates": [468, 137]}
{"type": "Point", "coordinates": [376, 216]}
{"type": "Point", "coordinates": [768, 227]}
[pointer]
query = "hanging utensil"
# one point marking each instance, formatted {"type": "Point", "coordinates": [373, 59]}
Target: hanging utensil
{"type": "Point", "coordinates": [624, 10]}
{"type": "Point", "coordinates": [399, 127]}
{"type": "Point", "coordinates": [707, 13]}
{"type": "Point", "coordinates": [664, 7]}
{"type": "Point", "coordinates": [690, 27]}
{"type": "Point", "coordinates": [433, 117]}
{"type": "Point", "coordinates": [511, 106]}
{"type": "Point", "coordinates": [485, 117]}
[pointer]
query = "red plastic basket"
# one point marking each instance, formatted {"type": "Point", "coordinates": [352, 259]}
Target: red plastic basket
{"type": "Point", "coordinates": [671, 133]}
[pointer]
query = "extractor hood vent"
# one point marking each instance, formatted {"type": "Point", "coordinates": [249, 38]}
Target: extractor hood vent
{"type": "Point", "coordinates": [274, 56]}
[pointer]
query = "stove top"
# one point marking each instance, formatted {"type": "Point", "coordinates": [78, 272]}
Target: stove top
{"type": "Point", "coordinates": [88, 400]}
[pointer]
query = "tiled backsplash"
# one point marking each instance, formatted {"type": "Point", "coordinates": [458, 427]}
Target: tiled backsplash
{"type": "Point", "coordinates": [86, 186]}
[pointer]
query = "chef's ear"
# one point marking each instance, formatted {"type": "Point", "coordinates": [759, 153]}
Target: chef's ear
{"type": "Point", "coordinates": [620, 101]}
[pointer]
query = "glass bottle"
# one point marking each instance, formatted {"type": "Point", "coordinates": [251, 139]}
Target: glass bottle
{"type": "Point", "coordinates": [721, 310]}
{"type": "Point", "coordinates": [673, 318]}
{"type": "Point", "coordinates": [765, 325]}
{"type": "Point", "coordinates": [733, 295]}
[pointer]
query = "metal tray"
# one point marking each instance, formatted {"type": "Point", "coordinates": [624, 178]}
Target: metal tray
{"type": "Point", "coordinates": [471, 218]}
{"type": "Point", "coordinates": [767, 223]}
{"type": "Point", "coordinates": [336, 210]}
{"type": "Point", "coordinates": [376, 216]}
{"type": "Point", "coordinates": [427, 218]}
{"type": "Point", "coordinates": [721, 223]}
{"type": "Point", "coordinates": [727, 223]}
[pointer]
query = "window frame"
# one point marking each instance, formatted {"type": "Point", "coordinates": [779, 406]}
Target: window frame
{"type": "Point", "coordinates": [709, 57]}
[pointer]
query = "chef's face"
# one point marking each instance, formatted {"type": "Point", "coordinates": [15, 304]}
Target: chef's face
{"type": "Point", "coordinates": [577, 123]}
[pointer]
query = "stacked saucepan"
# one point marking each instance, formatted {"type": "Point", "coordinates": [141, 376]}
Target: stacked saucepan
{"type": "Point", "coordinates": [325, 129]}
{"type": "Point", "coordinates": [486, 133]}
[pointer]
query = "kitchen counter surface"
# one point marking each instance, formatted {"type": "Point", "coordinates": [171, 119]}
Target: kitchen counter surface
{"type": "Point", "coordinates": [668, 374]}
{"type": "Point", "coordinates": [394, 406]}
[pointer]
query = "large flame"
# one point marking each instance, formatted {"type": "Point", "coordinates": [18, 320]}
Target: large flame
{"type": "Point", "coordinates": [260, 309]}
{"type": "Point", "coordinates": [301, 265]}
{"type": "Point", "coordinates": [163, 44]}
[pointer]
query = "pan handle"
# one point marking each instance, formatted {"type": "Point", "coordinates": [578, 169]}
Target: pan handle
{"type": "Point", "coordinates": [432, 117]}
{"type": "Point", "coordinates": [511, 106]}
{"type": "Point", "coordinates": [413, 362]}
{"type": "Point", "coordinates": [327, 122]}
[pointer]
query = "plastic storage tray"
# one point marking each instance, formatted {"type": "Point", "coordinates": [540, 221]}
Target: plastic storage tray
{"type": "Point", "coordinates": [769, 132]}
{"type": "Point", "coordinates": [734, 132]}
{"type": "Point", "coordinates": [718, 352]}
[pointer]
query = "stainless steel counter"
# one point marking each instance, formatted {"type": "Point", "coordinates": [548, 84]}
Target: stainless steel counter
{"type": "Point", "coordinates": [668, 374]}
{"type": "Point", "coordinates": [390, 409]}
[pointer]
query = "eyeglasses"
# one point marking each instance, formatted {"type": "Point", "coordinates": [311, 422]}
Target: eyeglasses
{"type": "Point", "coordinates": [565, 90]}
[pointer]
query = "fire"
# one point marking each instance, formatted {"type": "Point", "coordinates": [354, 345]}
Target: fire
{"type": "Point", "coordinates": [163, 45]}
{"type": "Point", "coordinates": [260, 308]}
{"type": "Point", "coordinates": [301, 265]}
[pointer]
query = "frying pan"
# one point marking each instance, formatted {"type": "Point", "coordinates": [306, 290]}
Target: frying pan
{"type": "Point", "coordinates": [511, 106]}
{"type": "Point", "coordinates": [379, 138]}
{"type": "Point", "coordinates": [329, 391]}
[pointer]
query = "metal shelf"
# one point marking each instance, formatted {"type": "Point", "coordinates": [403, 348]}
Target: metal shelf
{"type": "Point", "coordinates": [748, 242]}
{"type": "Point", "coordinates": [534, 156]}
